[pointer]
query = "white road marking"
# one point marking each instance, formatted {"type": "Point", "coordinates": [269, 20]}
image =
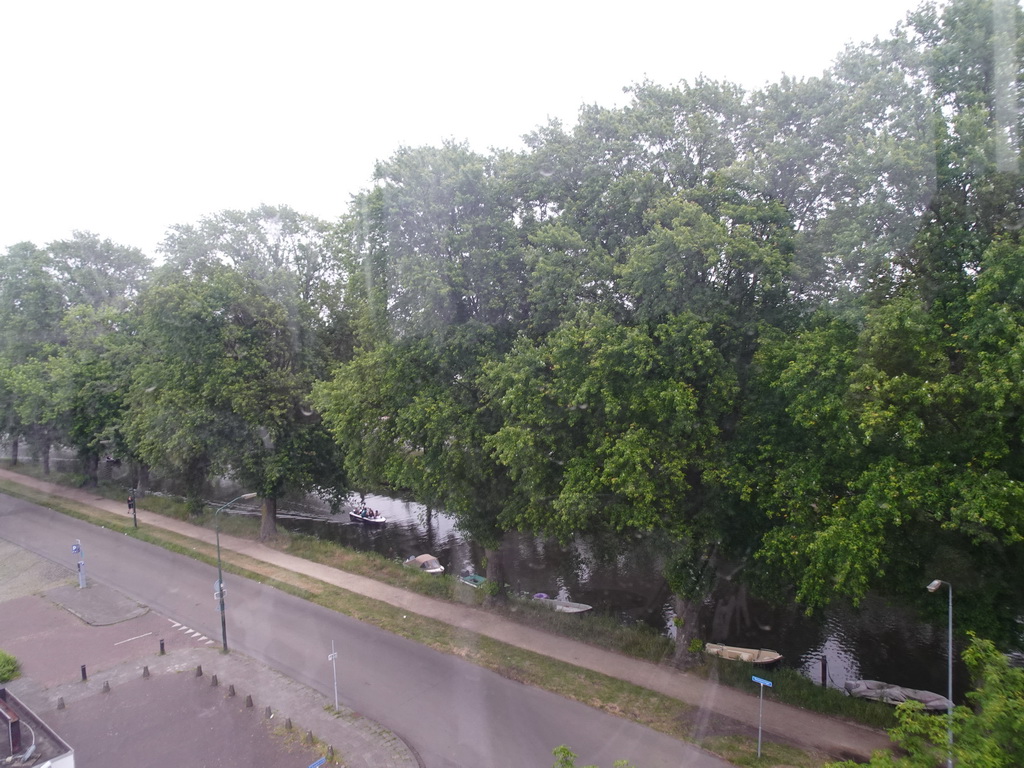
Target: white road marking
{"type": "Point", "coordinates": [137, 637]}
{"type": "Point", "coordinates": [194, 634]}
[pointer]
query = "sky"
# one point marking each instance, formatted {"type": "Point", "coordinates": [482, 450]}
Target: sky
{"type": "Point", "coordinates": [124, 118]}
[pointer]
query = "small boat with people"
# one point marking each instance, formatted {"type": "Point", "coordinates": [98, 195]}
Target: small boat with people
{"type": "Point", "coordinates": [367, 515]}
{"type": "Point", "coordinates": [760, 656]}
{"type": "Point", "coordinates": [426, 563]}
{"type": "Point", "coordinates": [560, 606]}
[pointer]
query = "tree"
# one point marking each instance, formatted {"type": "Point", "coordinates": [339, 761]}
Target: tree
{"type": "Point", "coordinates": [98, 273]}
{"type": "Point", "coordinates": [233, 333]}
{"type": "Point", "coordinates": [987, 734]}
{"type": "Point", "coordinates": [31, 308]}
{"type": "Point", "coordinates": [612, 427]}
{"type": "Point", "coordinates": [412, 415]}
{"type": "Point", "coordinates": [881, 439]}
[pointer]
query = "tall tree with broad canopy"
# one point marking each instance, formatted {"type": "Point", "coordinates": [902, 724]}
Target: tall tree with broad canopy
{"type": "Point", "coordinates": [68, 312]}
{"type": "Point", "coordinates": [883, 437]}
{"type": "Point", "coordinates": [613, 427]}
{"type": "Point", "coordinates": [412, 415]}
{"type": "Point", "coordinates": [31, 307]}
{"type": "Point", "coordinates": [438, 274]}
{"type": "Point", "coordinates": [890, 450]}
{"type": "Point", "coordinates": [232, 327]}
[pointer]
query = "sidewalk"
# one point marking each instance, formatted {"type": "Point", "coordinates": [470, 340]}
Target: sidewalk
{"type": "Point", "coordinates": [831, 736]}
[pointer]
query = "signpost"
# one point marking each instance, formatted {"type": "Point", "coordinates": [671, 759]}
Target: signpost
{"type": "Point", "coordinates": [760, 708]}
{"type": "Point", "coordinates": [333, 658]}
{"type": "Point", "coordinates": [76, 549]}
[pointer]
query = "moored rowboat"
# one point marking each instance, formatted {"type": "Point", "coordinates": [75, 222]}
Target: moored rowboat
{"type": "Point", "coordinates": [561, 606]}
{"type": "Point", "coordinates": [750, 655]}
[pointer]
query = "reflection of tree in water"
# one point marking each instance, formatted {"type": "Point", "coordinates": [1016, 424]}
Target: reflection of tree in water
{"type": "Point", "coordinates": [730, 616]}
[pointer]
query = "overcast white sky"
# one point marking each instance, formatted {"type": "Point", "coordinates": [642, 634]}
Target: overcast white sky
{"type": "Point", "coordinates": [123, 118]}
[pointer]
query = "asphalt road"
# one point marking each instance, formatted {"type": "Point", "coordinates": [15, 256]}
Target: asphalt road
{"type": "Point", "coordinates": [453, 713]}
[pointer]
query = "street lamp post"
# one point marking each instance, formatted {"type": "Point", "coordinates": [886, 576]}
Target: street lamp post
{"type": "Point", "coordinates": [933, 587]}
{"type": "Point", "coordinates": [220, 571]}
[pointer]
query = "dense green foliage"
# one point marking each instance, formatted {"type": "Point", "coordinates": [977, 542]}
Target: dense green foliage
{"type": "Point", "coordinates": [781, 328]}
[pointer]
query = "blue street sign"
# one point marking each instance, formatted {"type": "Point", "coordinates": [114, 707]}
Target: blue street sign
{"type": "Point", "coordinates": [318, 763]}
{"type": "Point", "coordinates": [75, 548]}
{"type": "Point", "coordinates": [762, 682]}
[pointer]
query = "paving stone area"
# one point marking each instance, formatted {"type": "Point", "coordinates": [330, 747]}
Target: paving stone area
{"type": "Point", "coordinates": [119, 718]}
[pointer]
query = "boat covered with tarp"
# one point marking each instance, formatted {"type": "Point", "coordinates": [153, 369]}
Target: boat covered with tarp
{"type": "Point", "coordinates": [895, 694]}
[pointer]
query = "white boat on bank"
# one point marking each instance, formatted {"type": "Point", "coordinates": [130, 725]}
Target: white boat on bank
{"type": "Point", "coordinates": [426, 563]}
{"type": "Point", "coordinates": [760, 656]}
{"type": "Point", "coordinates": [561, 606]}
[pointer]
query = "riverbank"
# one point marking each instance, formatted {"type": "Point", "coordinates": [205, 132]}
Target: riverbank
{"type": "Point", "coordinates": [720, 719]}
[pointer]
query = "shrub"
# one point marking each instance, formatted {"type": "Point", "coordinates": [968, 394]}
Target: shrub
{"type": "Point", "coordinates": [9, 667]}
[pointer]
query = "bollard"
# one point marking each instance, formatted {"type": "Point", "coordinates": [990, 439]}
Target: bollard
{"type": "Point", "coordinates": [106, 686]}
{"type": "Point", "coordinates": [248, 700]}
{"type": "Point", "coordinates": [199, 670]}
{"type": "Point", "coordinates": [84, 676]}
{"type": "Point", "coordinates": [162, 647]}
{"type": "Point", "coordinates": [267, 713]}
{"type": "Point", "coordinates": [309, 737]}
{"type": "Point", "coordinates": [330, 754]}
{"type": "Point", "coordinates": [213, 682]}
{"type": "Point", "coordinates": [231, 691]}
{"type": "Point", "coordinates": [288, 724]}
{"type": "Point", "coordinates": [145, 671]}
{"type": "Point", "coordinates": [60, 703]}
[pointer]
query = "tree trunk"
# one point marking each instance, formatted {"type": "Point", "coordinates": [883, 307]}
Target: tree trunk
{"type": "Point", "coordinates": [14, 452]}
{"type": "Point", "coordinates": [496, 575]}
{"type": "Point", "coordinates": [91, 464]}
{"type": "Point", "coordinates": [687, 631]}
{"type": "Point", "coordinates": [138, 476]}
{"type": "Point", "coordinates": [46, 459]}
{"type": "Point", "coordinates": [194, 478]}
{"type": "Point", "coordinates": [268, 521]}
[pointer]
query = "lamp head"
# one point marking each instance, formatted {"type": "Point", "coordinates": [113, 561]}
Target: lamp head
{"type": "Point", "coordinates": [247, 496]}
{"type": "Point", "coordinates": [934, 585]}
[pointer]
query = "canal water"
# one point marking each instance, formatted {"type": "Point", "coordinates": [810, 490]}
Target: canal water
{"type": "Point", "coordinates": [621, 577]}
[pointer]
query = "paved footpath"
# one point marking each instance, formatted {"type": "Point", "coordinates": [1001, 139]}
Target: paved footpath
{"type": "Point", "coordinates": [825, 734]}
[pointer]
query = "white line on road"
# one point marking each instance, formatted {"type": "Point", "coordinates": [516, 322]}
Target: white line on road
{"type": "Point", "coordinates": [137, 637]}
